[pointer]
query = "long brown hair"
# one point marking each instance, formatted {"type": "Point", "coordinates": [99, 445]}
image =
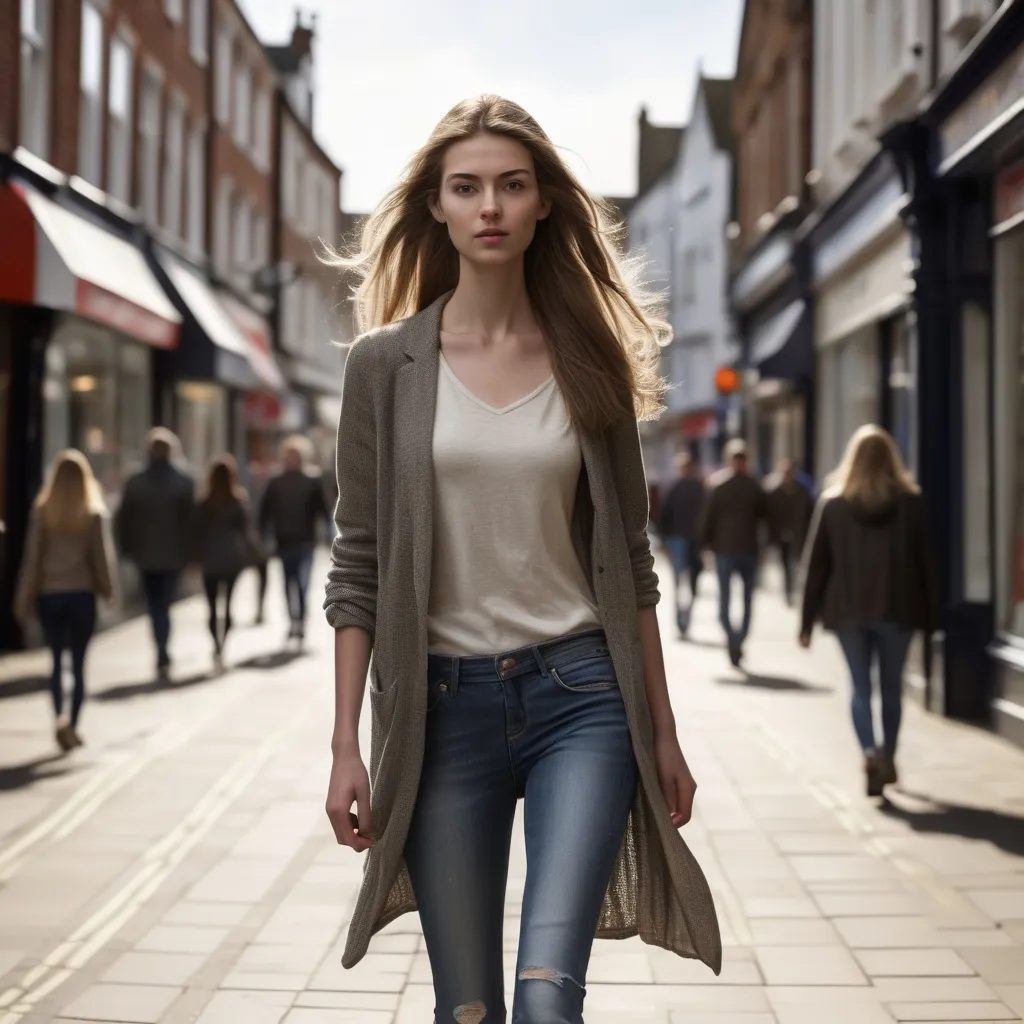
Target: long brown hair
{"type": "Point", "coordinates": [872, 471]}
{"type": "Point", "coordinates": [221, 486]}
{"type": "Point", "coordinates": [604, 329]}
{"type": "Point", "coordinates": [71, 496]}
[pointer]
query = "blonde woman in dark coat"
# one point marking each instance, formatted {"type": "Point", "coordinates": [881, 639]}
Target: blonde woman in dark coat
{"type": "Point", "coordinates": [68, 563]}
{"type": "Point", "coordinates": [871, 579]}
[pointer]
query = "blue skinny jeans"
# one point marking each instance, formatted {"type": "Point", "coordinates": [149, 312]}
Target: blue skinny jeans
{"type": "Point", "coordinates": [545, 723]}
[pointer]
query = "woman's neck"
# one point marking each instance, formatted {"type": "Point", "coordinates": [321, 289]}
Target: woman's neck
{"type": "Point", "coordinates": [490, 301]}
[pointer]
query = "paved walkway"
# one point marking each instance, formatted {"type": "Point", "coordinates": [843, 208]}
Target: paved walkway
{"type": "Point", "coordinates": [180, 868]}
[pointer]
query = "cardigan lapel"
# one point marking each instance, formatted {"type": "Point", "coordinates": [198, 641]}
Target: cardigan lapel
{"type": "Point", "coordinates": [415, 405]}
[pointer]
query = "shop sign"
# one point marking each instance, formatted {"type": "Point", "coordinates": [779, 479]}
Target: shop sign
{"type": "Point", "coordinates": [1001, 93]}
{"type": "Point", "coordinates": [697, 425]}
{"type": "Point", "coordinates": [262, 409]}
{"type": "Point", "coordinates": [97, 303]}
{"type": "Point", "coordinates": [1009, 195]}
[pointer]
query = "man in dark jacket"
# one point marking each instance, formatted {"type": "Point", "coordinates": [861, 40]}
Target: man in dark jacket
{"type": "Point", "coordinates": [736, 510]}
{"type": "Point", "coordinates": [790, 507]}
{"type": "Point", "coordinates": [153, 528]}
{"type": "Point", "coordinates": [292, 504]}
{"type": "Point", "coordinates": [678, 525]}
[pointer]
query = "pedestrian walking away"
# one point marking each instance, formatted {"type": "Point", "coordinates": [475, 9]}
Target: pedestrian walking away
{"type": "Point", "coordinates": [492, 552]}
{"type": "Point", "coordinates": [223, 545]}
{"type": "Point", "coordinates": [293, 506]}
{"type": "Point", "coordinates": [679, 526]}
{"type": "Point", "coordinates": [790, 507]}
{"type": "Point", "coordinates": [872, 580]}
{"type": "Point", "coordinates": [152, 529]}
{"type": "Point", "coordinates": [736, 512]}
{"type": "Point", "coordinates": [68, 563]}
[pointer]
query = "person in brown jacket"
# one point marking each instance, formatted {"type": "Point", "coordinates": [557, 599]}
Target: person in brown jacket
{"type": "Point", "coordinates": [871, 578]}
{"type": "Point", "coordinates": [790, 508]}
{"type": "Point", "coordinates": [67, 563]}
{"type": "Point", "coordinates": [735, 512]}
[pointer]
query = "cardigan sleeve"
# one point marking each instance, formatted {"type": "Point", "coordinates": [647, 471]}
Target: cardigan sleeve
{"type": "Point", "coordinates": [817, 569]}
{"type": "Point", "coordinates": [351, 591]}
{"type": "Point", "coordinates": [631, 485]}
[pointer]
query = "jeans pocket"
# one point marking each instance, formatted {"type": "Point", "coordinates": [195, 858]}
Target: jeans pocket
{"type": "Point", "coordinates": [592, 673]}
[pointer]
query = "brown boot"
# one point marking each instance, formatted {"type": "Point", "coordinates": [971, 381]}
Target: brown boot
{"type": "Point", "coordinates": [873, 774]}
{"type": "Point", "coordinates": [887, 769]}
{"type": "Point", "coordinates": [64, 734]}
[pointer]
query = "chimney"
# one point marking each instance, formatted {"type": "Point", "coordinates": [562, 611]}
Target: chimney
{"type": "Point", "coordinates": [302, 35]}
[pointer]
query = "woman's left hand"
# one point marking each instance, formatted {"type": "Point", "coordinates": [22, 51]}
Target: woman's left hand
{"type": "Point", "coordinates": [677, 784]}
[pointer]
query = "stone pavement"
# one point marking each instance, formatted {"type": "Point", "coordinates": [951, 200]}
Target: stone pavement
{"type": "Point", "coordinates": [180, 867]}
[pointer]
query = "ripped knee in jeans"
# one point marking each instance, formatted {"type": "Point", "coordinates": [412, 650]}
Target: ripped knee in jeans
{"type": "Point", "coordinates": [470, 1013]}
{"type": "Point", "coordinates": [547, 974]}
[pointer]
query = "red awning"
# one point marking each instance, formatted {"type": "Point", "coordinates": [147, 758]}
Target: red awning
{"type": "Point", "coordinates": [53, 257]}
{"type": "Point", "coordinates": [256, 331]}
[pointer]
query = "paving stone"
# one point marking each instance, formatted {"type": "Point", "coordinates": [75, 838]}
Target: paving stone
{"type": "Point", "coordinates": [246, 1008]}
{"type": "Point", "coordinates": [212, 914]}
{"type": "Point", "coordinates": [948, 1012]}
{"type": "Point", "coordinates": [999, 904]}
{"type": "Point", "coordinates": [947, 990]}
{"type": "Point", "coordinates": [794, 932]}
{"type": "Point", "coordinates": [934, 963]}
{"type": "Point", "coordinates": [135, 1004]}
{"type": "Point", "coordinates": [321, 1016]}
{"type": "Point", "coordinates": [809, 965]}
{"type": "Point", "coordinates": [841, 867]}
{"type": "Point", "coordinates": [888, 932]}
{"type": "Point", "coordinates": [870, 904]}
{"type": "Point", "coordinates": [154, 968]}
{"type": "Point", "coordinates": [170, 938]}
{"type": "Point", "coordinates": [349, 1000]}
{"type": "Point", "coordinates": [266, 980]}
{"type": "Point", "coordinates": [780, 906]}
{"type": "Point", "coordinates": [998, 966]}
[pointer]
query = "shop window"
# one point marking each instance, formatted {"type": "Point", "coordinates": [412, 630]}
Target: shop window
{"type": "Point", "coordinates": [222, 228]}
{"type": "Point", "coordinates": [35, 76]}
{"type": "Point", "coordinates": [119, 120]}
{"type": "Point", "coordinates": [976, 482]}
{"type": "Point", "coordinates": [134, 407]}
{"type": "Point", "coordinates": [91, 94]}
{"type": "Point", "coordinates": [202, 419]}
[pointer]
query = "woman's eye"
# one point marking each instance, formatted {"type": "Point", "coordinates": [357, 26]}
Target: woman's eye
{"type": "Point", "coordinates": [463, 190]}
{"type": "Point", "coordinates": [515, 186]}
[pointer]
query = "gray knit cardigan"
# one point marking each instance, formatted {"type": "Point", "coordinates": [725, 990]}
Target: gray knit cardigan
{"type": "Point", "coordinates": [380, 577]}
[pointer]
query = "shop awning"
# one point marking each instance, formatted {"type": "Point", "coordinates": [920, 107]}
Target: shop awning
{"type": "Point", "coordinates": [256, 332]}
{"type": "Point", "coordinates": [58, 259]}
{"type": "Point", "coordinates": [779, 347]}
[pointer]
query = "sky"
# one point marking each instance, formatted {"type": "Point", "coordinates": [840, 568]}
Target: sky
{"type": "Point", "coordinates": [387, 71]}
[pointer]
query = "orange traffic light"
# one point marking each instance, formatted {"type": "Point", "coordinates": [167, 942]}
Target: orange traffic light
{"type": "Point", "coordinates": [727, 380]}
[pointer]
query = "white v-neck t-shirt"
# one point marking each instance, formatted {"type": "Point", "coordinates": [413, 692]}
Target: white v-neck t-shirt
{"type": "Point", "coordinates": [504, 572]}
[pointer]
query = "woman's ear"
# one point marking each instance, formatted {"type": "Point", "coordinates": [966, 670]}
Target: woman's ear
{"type": "Point", "coordinates": [435, 210]}
{"type": "Point", "coordinates": [545, 208]}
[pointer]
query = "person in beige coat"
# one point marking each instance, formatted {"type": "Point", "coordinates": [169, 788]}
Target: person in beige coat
{"type": "Point", "coordinates": [492, 556]}
{"type": "Point", "coordinates": [68, 563]}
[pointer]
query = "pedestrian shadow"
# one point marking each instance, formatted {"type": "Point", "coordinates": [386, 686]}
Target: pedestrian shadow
{"type": "Point", "coordinates": [276, 659]}
{"type": "Point", "coordinates": [1005, 831]}
{"type": "Point", "coordinates": [778, 684]}
{"type": "Point", "coordinates": [23, 687]}
{"type": "Point", "coordinates": [126, 691]}
{"type": "Point", "coordinates": [715, 645]}
{"type": "Point", "coordinates": [21, 776]}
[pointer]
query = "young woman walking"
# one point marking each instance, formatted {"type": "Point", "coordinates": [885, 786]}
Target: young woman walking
{"type": "Point", "coordinates": [68, 563]}
{"type": "Point", "coordinates": [223, 543]}
{"type": "Point", "coordinates": [492, 552]}
{"type": "Point", "coordinates": [871, 579]}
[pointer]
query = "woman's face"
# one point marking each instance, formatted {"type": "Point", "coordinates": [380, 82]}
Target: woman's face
{"type": "Point", "coordinates": [489, 198]}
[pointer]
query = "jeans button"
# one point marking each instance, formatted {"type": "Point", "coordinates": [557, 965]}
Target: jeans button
{"type": "Point", "coordinates": [443, 687]}
{"type": "Point", "coordinates": [507, 663]}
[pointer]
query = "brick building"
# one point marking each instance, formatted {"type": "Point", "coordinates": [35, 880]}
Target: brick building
{"type": "Point", "coordinates": [772, 126]}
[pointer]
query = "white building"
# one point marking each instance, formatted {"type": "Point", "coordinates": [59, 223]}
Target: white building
{"type": "Point", "coordinates": [703, 335]}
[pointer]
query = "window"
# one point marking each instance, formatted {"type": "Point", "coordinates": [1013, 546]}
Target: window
{"type": "Point", "coordinates": [35, 76]}
{"type": "Point", "coordinates": [289, 175]}
{"type": "Point", "coordinates": [91, 85]}
{"type": "Point", "coordinates": [329, 214]}
{"type": "Point", "coordinates": [174, 10]}
{"type": "Point", "coordinates": [222, 228]}
{"type": "Point", "coordinates": [260, 242]}
{"type": "Point", "coordinates": [222, 76]}
{"type": "Point", "coordinates": [242, 120]}
{"type": "Point", "coordinates": [198, 29]}
{"type": "Point", "coordinates": [150, 103]}
{"type": "Point", "coordinates": [174, 155]}
{"type": "Point", "coordinates": [688, 280]}
{"type": "Point", "coordinates": [195, 189]}
{"type": "Point", "coordinates": [119, 121]}
{"type": "Point", "coordinates": [241, 230]}
{"type": "Point", "coordinates": [261, 130]}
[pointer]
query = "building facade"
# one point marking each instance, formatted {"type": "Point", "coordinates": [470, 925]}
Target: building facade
{"type": "Point", "coordinates": [769, 287]}
{"type": "Point", "coordinates": [703, 334]}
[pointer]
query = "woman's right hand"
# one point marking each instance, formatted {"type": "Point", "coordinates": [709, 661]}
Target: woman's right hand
{"type": "Point", "coordinates": [349, 785]}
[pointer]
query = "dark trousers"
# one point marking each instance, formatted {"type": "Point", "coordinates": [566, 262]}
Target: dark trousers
{"type": "Point", "coordinates": [297, 563]}
{"type": "Point", "coordinates": [160, 588]}
{"type": "Point", "coordinates": [744, 566]}
{"type": "Point", "coordinates": [215, 586]}
{"type": "Point", "coordinates": [68, 620]}
{"type": "Point", "coordinates": [789, 553]}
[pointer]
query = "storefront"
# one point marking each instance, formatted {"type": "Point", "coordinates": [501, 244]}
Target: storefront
{"type": "Point", "coordinates": [861, 273]}
{"type": "Point", "coordinates": [773, 312]}
{"type": "Point", "coordinates": [82, 322]}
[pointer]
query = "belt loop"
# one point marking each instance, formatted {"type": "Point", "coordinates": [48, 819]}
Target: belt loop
{"type": "Point", "coordinates": [455, 677]}
{"type": "Point", "coordinates": [540, 661]}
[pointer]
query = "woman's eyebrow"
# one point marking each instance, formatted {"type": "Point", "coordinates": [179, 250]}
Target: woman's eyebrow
{"type": "Point", "coordinates": [463, 176]}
